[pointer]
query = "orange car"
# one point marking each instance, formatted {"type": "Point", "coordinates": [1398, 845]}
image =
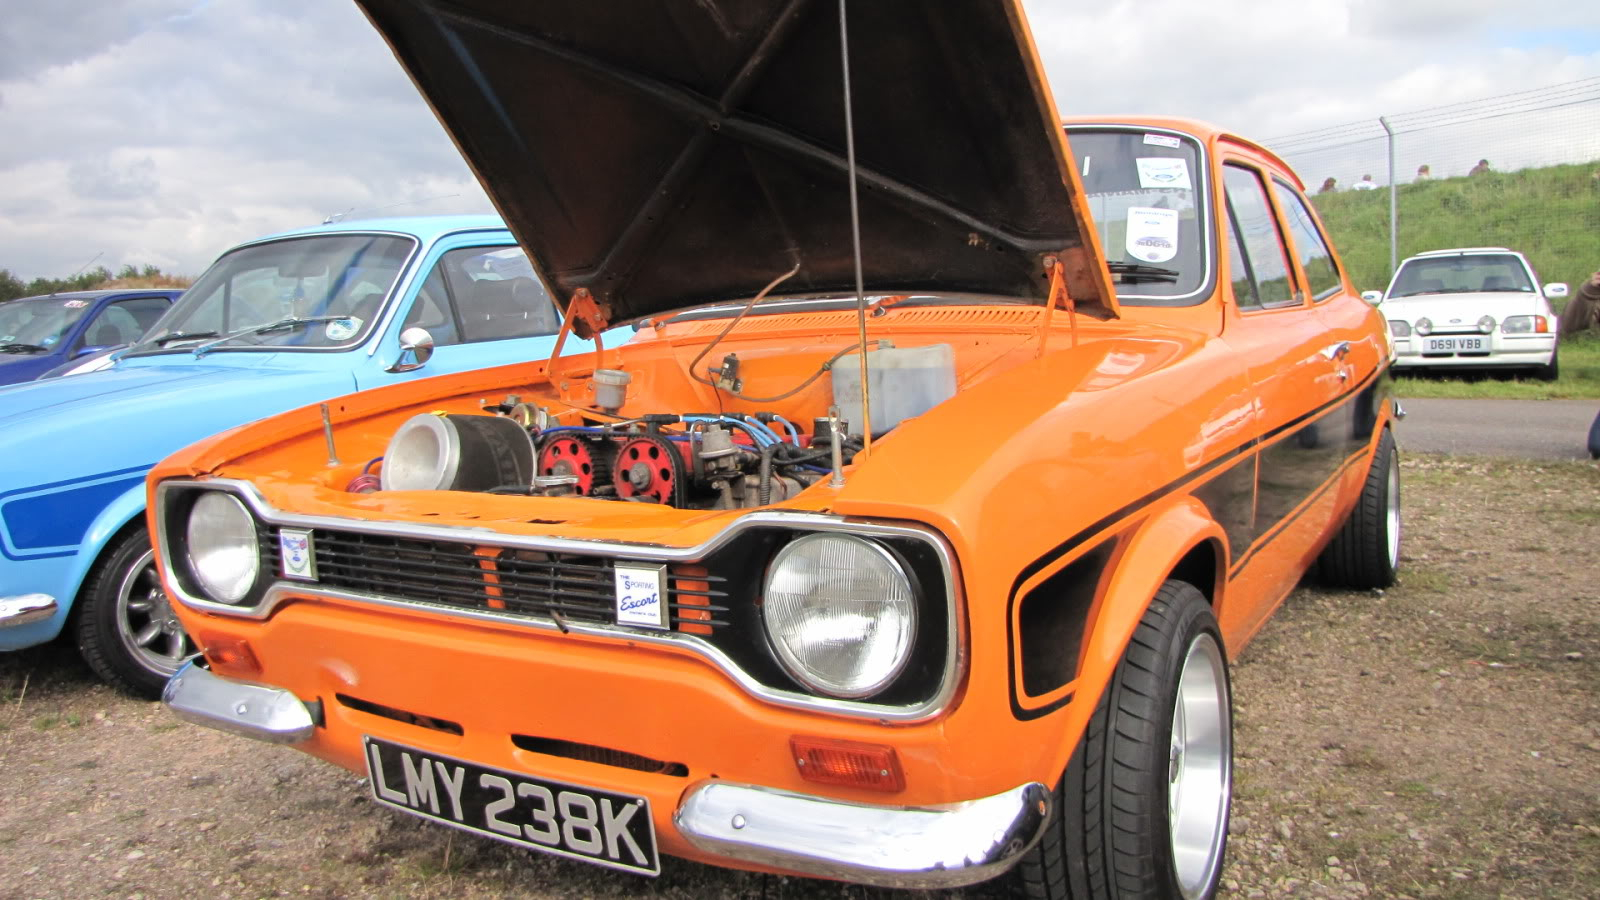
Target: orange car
{"type": "Point", "coordinates": [956, 607]}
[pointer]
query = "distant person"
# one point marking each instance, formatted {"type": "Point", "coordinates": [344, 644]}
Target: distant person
{"type": "Point", "coordinates": [1482, 168]}
{"type": "Point", "coordinates": [1583, 311]}
{"type": "Point", "coordinates": [1365, 184]}
{"type": "Point", "coordinates": [1424, 173]}
{"type": "Point", "coordinates": [1327, 186]}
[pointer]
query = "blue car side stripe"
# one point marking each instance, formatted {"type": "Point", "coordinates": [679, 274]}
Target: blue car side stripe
{"type": "Point", "coordinates": [50, 520]}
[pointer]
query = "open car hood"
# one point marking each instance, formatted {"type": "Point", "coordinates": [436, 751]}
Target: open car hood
{"type": "Point", "coordinates": [671, 153]}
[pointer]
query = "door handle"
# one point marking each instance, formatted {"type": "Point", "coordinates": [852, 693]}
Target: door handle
{"type": "Point", "coordinates": [1337, 350]}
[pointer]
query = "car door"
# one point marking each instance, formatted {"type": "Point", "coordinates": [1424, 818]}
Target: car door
{"type": "Point", "coordinates": [1270, 321]}
{"type": "Point", "coordinates": [481, 304]}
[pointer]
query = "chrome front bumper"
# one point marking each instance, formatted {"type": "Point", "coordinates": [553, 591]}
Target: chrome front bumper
{"type": "Point", "coordinates": [26, 609]}
{"type": "Point", "coordinates": [255, 711]}
{"type": "Point", "coordinates": [888, 846]}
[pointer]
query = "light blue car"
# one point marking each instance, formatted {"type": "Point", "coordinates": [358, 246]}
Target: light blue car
{"type": "Point", "coordinates": [274, 324]}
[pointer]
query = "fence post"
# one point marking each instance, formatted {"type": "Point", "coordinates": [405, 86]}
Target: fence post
{"type": "Point", "coordinates": [1394, 203]}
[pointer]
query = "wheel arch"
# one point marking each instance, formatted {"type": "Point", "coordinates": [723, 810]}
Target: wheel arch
{"type": "Point", "coordinates": [121, 516]}
{"type": "Point", "coordinates": [1180, 541]}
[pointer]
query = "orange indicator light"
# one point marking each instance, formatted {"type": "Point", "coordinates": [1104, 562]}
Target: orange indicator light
{"type": "Point", "coordinates": [229, 655]}
{"type": "Point", "coordinates": [873, 767]}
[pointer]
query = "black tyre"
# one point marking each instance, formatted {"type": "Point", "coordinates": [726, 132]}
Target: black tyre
{"type": "Point", "coordinates": [1594, 438]}
{"type": "Point", "coordinates": [1365, 553]}
{"type": "Point", "coordinates": [1550, 372]}
{"type": "Point", "coordinates": [125, 627]}
{"type": "Point", "coordinates": [1142, 810]}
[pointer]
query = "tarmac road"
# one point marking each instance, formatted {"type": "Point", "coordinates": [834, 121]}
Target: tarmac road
{"type": "Point", "coordinates": [1530, 429]}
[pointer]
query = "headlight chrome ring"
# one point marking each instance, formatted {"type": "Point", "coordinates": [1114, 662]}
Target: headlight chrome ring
{"type": "Point", "coordinates": [840, 613]}
{"type": "Point", "coordinates": [223, 554]}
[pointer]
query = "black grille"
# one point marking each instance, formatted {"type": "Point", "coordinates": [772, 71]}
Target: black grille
{"type": "Point", "coordinates": [532, 583]}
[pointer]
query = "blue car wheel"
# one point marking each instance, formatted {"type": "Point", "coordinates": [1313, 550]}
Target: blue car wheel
{"type": "Point", "coordinates": [125, 627]}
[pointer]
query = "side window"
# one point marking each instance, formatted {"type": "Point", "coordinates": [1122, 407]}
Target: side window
{"type": "Point", "coordinates": [487, 294]}
{"type": "Point", "coordinates": [1244, 282]}
{"type": "Point", "coordinates": [1314, 256]}
{"type": "Point", "coordinates": [116, 324]}
{"type": "Point", "coordinates": [1263, 242]}
{"type": "Point", "coordinates": [497, 295]}
{"type": "Point", "coordinates": [145, 310]}
{"type": "Point", "coordinates": [434, 311]}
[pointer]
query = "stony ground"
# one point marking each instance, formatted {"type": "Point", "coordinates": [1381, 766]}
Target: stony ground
{"type": "Point", "coordinates": [1439, 740]}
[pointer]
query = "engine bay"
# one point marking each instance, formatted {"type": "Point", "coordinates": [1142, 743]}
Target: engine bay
{"type": "Point", "coordinates": [687, 461]}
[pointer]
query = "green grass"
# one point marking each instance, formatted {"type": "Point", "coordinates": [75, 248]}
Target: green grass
{"type": "Point", "coordinates": [1579, 356]}
{"type": "Point", "coordinates": [1551, 215]}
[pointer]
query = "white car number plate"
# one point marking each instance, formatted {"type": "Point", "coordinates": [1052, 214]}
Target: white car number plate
{"type": "Point", "coordinates": [1454, 345]}
{"type": "Point", "coordinates": [602, 827]}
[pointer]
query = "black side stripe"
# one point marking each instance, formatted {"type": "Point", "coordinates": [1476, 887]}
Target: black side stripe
{"type": "Point", "coordinates": [1225, 458]}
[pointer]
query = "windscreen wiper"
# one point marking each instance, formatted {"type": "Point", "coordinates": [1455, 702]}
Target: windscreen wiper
{"type": "Point", "coordinates": [289, 322]}
{"type": "Point", "coordinates": [1141, 272]}
{"type": "Point", "coordinates": [166, 339]}
{"type": "Point", "coordinates": [22, 348]}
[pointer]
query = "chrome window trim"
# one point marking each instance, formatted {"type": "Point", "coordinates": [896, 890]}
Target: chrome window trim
{"type": "Point", "coordinates": [280, 591]}
{"type": "Point", "coordinates": [1207, 196]}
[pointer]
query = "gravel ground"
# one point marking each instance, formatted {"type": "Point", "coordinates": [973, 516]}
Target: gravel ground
{"type": "Point", "coordinates": [1440, 739]}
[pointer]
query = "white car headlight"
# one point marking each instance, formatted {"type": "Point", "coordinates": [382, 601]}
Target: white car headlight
{"type": "Point", "coordinates": [1524, 325]}
{"type": "Point", "coordinates": [841, 614]}
{"type": "Point", "coordinates": [223, 553]}
{"type": "Point", "coordinates": [1400, 328]}
{"type": "Point", "coordinates": [1486, 324]}
{"type": "Point", "coordinates": [1424, 325]}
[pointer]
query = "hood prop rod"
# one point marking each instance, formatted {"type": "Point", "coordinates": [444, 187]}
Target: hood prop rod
{"type": "Point", "coordinates": [855, 236]}
{"type": "Point", "coordinates": [1058, 294]}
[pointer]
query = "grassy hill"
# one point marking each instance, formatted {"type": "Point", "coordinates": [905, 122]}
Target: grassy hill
{"type": "Point", "coordinates": [1551, 214]}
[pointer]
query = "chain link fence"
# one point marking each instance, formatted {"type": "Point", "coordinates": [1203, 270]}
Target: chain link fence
{"type": "Point", "coordinates": [1519, 170]}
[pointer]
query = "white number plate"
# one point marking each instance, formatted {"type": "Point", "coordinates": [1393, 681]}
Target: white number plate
{"type": "Point", "coordinates": [1455, 344]}
{"type": "Point", "coordinates": [602, 827]}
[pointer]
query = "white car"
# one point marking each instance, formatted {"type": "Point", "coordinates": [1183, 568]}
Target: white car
{"type": "Point", "coordinates": [1475, 307]}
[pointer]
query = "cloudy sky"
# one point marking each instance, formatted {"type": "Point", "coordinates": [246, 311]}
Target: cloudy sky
{"type": "Point", "coordinates": [163, 131]}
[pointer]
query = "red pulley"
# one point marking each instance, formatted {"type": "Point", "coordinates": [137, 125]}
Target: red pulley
{"type": "Point", "coordinates": [589, 461]}
{"type": "Point", "coordinates": [650, 468]}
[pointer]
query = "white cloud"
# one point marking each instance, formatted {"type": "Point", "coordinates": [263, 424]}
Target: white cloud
{"type": "Point", "coordinates": [163, 131]}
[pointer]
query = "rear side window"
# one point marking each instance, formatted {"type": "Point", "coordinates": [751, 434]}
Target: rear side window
{"type": "Point", "coordinates": [1315, 259]}
{"type": "Point", "coordinates": [1262, 242]}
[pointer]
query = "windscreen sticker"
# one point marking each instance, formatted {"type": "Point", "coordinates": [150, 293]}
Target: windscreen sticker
{"type": "Point", "coordinates": [75, 304]}
{"type": "Point", "coordinates": [1152, 234]}
{"type": "Point", "coordinates": [1163, 172]}
{"type": "Point", "coordinates": [1162, 140]}
{"type": "Point", "coordinates": [343, 329]}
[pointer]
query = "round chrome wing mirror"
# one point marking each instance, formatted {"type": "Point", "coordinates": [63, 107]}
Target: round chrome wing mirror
{"type": "Point", "coordinates": [416, 348]}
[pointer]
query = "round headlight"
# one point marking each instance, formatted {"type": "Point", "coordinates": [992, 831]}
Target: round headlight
{"type": "Point", "coordinates": [223, 554]}
{"type": "Point", "coordinates": [1486, 324]}
{"type": "Point", "coordinates": [1424, 325]}
{"type": "Point", "coordinates": [841, 614]}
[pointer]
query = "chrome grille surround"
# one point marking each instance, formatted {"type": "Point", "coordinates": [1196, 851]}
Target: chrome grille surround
{"type": "Point", "coordinates": [282, 591]}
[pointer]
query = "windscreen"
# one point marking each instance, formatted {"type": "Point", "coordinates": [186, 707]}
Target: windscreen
{"type": "Point", "coordinates": [347, 276]}
{"type": "Point", "coordinates": [35, 325]}
{"type": "Point", "coordinates": [1478, 273]}
{"type": "Point", "coordinates": [1146, 194]}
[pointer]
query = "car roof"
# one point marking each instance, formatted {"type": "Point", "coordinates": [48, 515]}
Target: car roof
{"type": "Point", "coordinates": [97, 294]}
{"type": "Point", "coordinates": [1463, 251]}
{"type": "Point", "coordinates": [1203, 131]}
{"type": "Point", "coordinates": [424, 228]}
